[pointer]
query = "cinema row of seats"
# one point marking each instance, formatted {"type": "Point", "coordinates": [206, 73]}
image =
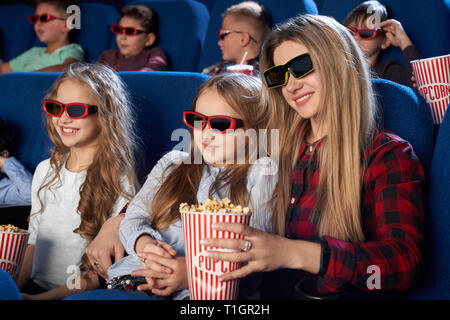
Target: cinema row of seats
{"type": "Point", "coordinates": [159, 111]}
{"type": "Point", "coordinates": [189, 29]}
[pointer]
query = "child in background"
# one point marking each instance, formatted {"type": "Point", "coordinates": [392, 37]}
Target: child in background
{"type": "Point", "coordinates": [15, 183]}
{"type": "Point", "coordinates": [88, 178]}
{"type": "Point", "coordinates": [137, 34]}
{"type": "Point", "coordinates": [244, 28]}
{"type": "Point", "coordinates": [373, 41]}
{"type": "Point", "coordinates": [50, 25]}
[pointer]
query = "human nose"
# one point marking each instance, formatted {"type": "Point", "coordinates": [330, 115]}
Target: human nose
{"type": "Point", "coordinates": [293, 84]}
{"type": "Point", "coordinates": [65, 117]}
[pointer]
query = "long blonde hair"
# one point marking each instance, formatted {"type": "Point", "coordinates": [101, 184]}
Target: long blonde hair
{"type": "Point", "coordinates": [116, 148]}
{"type": "Point", "coordinates": [243, 95]}
{"type": "Point", "coordinates": [347, 108]}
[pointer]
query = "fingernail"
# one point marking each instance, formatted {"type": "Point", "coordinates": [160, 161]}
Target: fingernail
{"type": "Point", "coordinates": [204, 242]}
{"type": "Point", "coordinates": [214, 226]}
{"type": "Point", "coordinates": [208, 254]}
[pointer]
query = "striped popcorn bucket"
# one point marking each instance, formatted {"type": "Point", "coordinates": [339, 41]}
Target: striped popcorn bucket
{"type": "Point", "coordinates": [203, 272]}
{"type": "Point", "coordinates": [433, 79]}
{"type": "Point", "coordinates": [12, 251]}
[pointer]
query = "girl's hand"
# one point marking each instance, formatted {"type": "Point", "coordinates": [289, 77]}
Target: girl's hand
{"type": "Point", "coordinates": [106, 244]}
{"type": "Point", "coordinates": [414, 82]}
{"type": "Point", "coordinates": [159, 281]}
{"type": "Point", "coordinates": [395, 33]}
{"type": "Point", "coordinates": [268, 251]}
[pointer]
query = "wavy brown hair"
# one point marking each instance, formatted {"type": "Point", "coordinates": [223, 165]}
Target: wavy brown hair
{"type": "Point", "coordinates": [114, 160]}
{"type": "Point", "coordinates": [243, 95]}
{"type": "Point", "coordinates": [347, 110]}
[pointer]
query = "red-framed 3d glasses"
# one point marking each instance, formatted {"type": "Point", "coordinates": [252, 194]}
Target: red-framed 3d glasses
{"type": "Point", "coordinates": [198, 121]}
{"type": "Point", "coordinates": [129, 31]}
{"type": "Point", "coordinates": [365, 34]}
{"type": "Point", "coordinates": [46, 17]}
{"type": "Point", "coordinates": [73, 110]}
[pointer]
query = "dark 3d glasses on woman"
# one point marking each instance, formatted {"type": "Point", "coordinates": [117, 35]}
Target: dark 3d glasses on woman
{"type": "Point", "coordinates": [299, 67]}
{"type": "Point", "coordinates": [46, 17]}
{"type": "Point", "coordinates": [74, 110]}
{"type": "Point", "coordinates": [222, 124]}
{"type": "Point", "coordinates": [365, 33]}
{"type": "Point", "coordinates": [129, 31]}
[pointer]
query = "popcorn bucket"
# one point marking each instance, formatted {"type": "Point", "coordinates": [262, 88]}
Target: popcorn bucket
{"type": "Point", "coordinates": [241, 68]}
{"type": "Point", "coordinates": [12, 251]}
{"type": "Point", "coordinates": [433, 79]}
{"type": "Point", "coordinates": [203, 272]}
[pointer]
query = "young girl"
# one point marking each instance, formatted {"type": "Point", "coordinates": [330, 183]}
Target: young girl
{"type": "Point", "coordinates": [89, 177]}
{"type": "Point", "coordinates": [151, 229]}
{"type": "Point", "coordinates": [349, 197]}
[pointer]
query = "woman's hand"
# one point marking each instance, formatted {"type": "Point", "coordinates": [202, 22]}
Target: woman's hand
{"type": "Point", "coordinates": [106, 245]}
{"type": "Point", "coordinates": [164, 275]}
{"type": "Point", "coordinates": [395, 33]}
{"type": "Point", "coordinates": [268, 251]}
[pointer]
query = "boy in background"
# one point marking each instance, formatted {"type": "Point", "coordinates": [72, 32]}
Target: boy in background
{"type": "Point", "coordinates": [374, 39]}
{"type": "Point", "coordinates": [244, 28]}
{"type": "Point", "coordinates": [50, 25]}
{"type": "Point", "coordinates": [136, 38]}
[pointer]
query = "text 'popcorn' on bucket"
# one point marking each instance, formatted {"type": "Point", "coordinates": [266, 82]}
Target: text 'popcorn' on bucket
{"type": "Point", "coordinates": [214, 206]}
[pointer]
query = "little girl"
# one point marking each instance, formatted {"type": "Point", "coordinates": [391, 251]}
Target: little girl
{"type": "Point", "coordinates": [151, 229]}
{"type": "Point", "coordinates": [88, 178]}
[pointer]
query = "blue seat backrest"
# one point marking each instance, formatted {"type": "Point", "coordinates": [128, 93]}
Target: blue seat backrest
{"type": "Point", "coordinates": [426, 23]}
{"type": "Point", "coordinates": [8, 288]}
{"type": "Point", "coordinates": [95, 31]}
{"type": "Point", "coordinates": [406, 113]}
{"type": "Point", "coordinates": [435, 283]}
{"type": "Point", "coordinates": [159, 99]}
{"type": "Point", "coordinates": [182, 30]}
{"type": "Point", "coordinates": [208, 3]}
{"type": "Point", "coordinates": [21, 110]}
{"type": "Point", "coordinates": [279, 13]}
{"type": "Point", "coordinates": [17, 35]}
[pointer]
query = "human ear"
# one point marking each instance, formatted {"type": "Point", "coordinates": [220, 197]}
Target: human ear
{"type": "Point", "coordinates": [245, 38]}
{"type": "Point", "coordinates": [151, 38]}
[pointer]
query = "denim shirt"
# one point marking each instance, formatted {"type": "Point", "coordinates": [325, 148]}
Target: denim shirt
{"type": "Point", "coordinates": [261, 180]}
{"type": "Point", "coordinates": [15, 187]}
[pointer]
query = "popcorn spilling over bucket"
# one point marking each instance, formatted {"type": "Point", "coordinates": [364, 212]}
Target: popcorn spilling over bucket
{"type": "Point", "coordinates": [13, 242]}
{"type": "Point", "coordinates": [433, 79]}
{"type": "Point", "coordinates": [203, 272]}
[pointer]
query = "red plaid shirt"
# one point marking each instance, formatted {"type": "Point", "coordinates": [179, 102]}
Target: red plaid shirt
{"type": "Point", "coordinates": [392, 218]}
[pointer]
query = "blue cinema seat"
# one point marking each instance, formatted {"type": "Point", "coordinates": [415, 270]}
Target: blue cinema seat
{"type": "Point", "coordinates": [159, 99]}
{"type": "Point", "coordinates": [435, 283]}
{"type": "Point", "coordinates": [426, 23]}
{"type": "Point", "coordinates": [8, 288]}
{"type": "Point", "coordinates": [17, 34]}
{"type": "Point", "coordinates": [182, 30]}
{"type": "Point", "coordinates": [95, 34]}
{"type": "Point", "coordinates": [290, 8]}
{"type": "Point", "coordinates": [406, 113]}
{"type": "Point", "coordinates": [21, 110]}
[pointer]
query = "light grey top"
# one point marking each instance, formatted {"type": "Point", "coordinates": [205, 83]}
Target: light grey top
{"type": "Point", "coordinates": [261, 181]}
{"type": "Point", "coordinates": [57, 248]}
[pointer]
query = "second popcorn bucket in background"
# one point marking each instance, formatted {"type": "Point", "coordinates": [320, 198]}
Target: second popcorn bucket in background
{"type": "Point", "coordinates": [433, 79]}
{"type": "Point", "coordinates": [203, 272]}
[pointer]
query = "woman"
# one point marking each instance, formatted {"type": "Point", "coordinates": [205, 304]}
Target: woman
{"type": "Point", "coordinates": [348, 199]}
